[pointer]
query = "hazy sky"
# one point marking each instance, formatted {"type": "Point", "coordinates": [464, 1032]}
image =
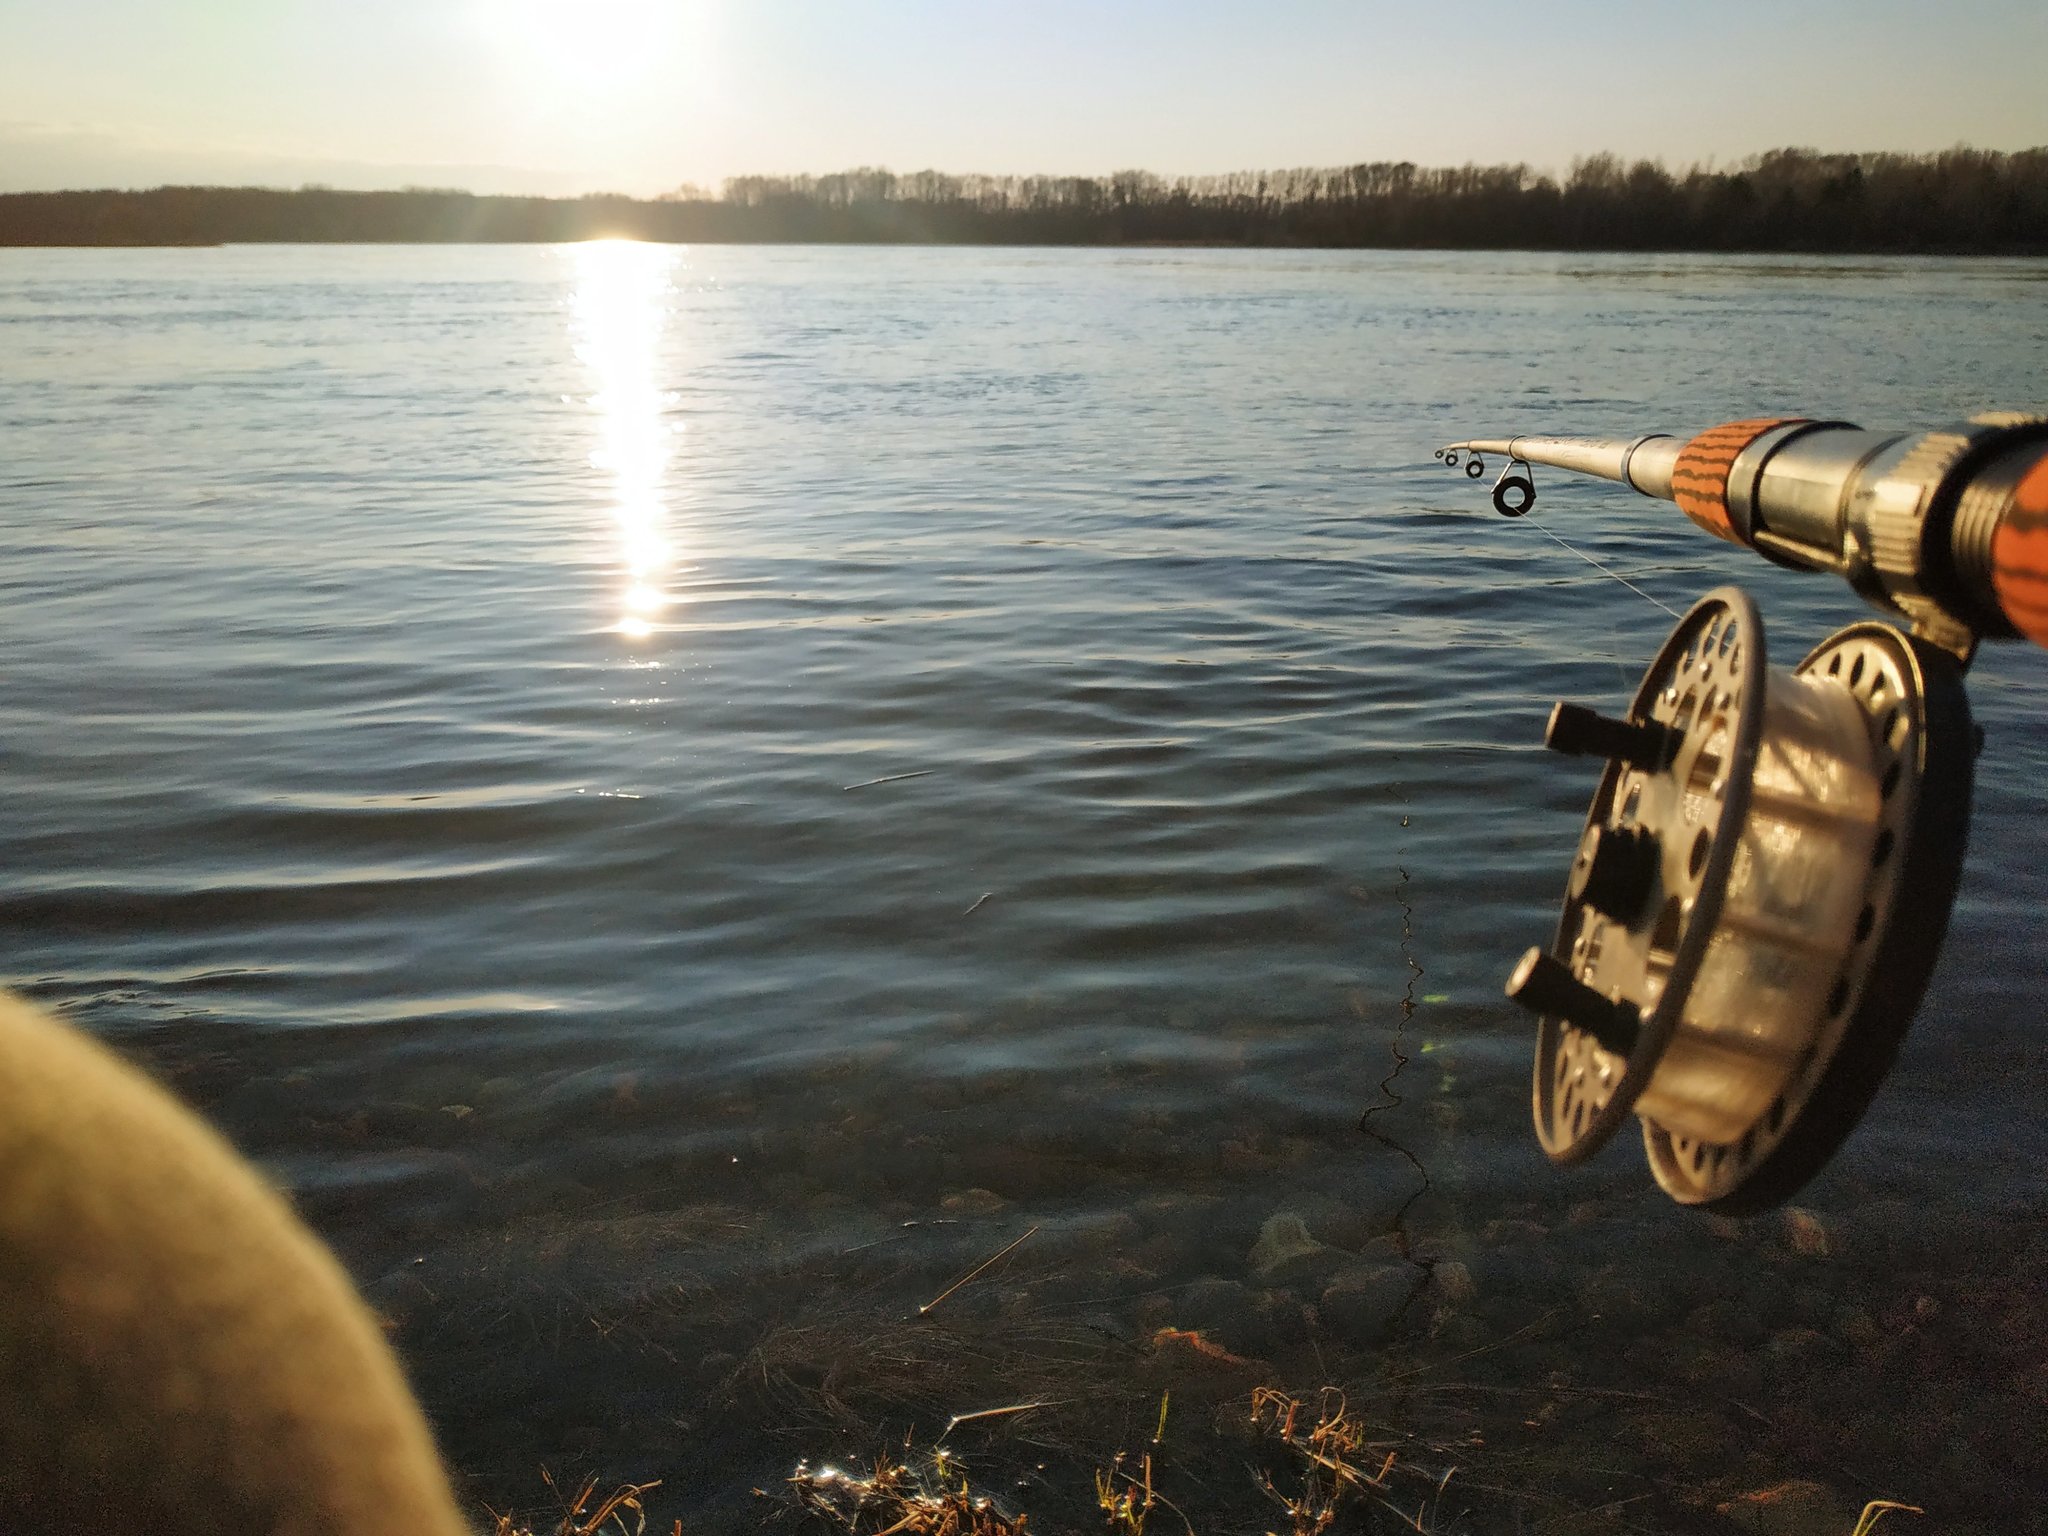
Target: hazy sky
{"type": "Point", "coordinates": [641, 95]}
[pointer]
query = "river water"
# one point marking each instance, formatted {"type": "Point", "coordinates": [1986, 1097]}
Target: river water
{"type": "Point", "coordinates": [680, 799]}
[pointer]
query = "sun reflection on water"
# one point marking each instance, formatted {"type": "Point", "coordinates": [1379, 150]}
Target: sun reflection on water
{"type": "Point", "coordinates": [618, 312]}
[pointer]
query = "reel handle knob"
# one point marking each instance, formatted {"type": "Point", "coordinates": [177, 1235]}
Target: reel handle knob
{"type": "Point", "coordinates": [1578, 731]}
{"type": "Point", "coordinates": [1546, 987]}
{"type": "Point", "coordinates": [1616, 870]}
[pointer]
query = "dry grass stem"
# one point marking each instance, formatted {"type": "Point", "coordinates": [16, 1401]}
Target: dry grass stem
{"type": "Point", "coordinates": [1877, 1509]}
{"type": "Point", "coordinates": [1001, 1253]}
{"type": "Point", "coordinates": [580, 1519]}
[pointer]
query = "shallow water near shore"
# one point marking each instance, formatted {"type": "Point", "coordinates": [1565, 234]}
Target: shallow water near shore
{"type": "Point", "coordinates": [682, 799]}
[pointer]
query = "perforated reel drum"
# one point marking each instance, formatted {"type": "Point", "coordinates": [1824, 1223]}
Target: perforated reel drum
{"type": "Point", "coordinates": [1759, 895]}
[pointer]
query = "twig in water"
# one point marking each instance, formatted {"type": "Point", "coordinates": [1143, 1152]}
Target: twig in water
{"type": "Point", "coordinates": [898, 1235]}
{"type": "Point", "coordinates": [890, 778]}
{"type": "Point", "coordinates": [1003, 1252]}
{"type": "Point", "coordinates": [984, 896]}
{"type": "Point", "coordinates": [987, 1413]}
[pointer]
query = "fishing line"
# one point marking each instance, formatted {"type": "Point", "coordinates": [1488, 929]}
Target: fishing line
{"type": "Point", "coordinates": [1389, 1099]}
{"type": "Point", "coordinates": [1604, 570]}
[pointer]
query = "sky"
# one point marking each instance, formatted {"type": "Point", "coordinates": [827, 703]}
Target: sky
{"type": "Point", "coordinates": [643, 96]}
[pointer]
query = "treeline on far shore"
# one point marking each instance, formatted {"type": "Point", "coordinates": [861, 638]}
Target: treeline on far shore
{"type": "Point", "coordinates": [1958, 200]}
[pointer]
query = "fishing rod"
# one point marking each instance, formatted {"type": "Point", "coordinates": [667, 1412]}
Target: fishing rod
{"type": "Point", "coordinates": [1771, 856]}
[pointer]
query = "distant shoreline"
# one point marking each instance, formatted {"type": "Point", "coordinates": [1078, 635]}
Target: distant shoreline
{"type": "Point", "coordinates": [1958, 202]}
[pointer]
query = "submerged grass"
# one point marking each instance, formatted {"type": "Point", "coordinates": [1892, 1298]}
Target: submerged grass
{"type": "Point", "coordinates": [1212, 1441]}
{"type": "Point", "coordinates": [897, 1499]}
{"type": "Point", "coordinates": [1270, 1461]}
{"type": "Point", "coordinates": [1322, 1463]}
{"type": "Point", "coordinates": [821, 1372]}
{"type": "Point", "coordinates": [1339, 1460]}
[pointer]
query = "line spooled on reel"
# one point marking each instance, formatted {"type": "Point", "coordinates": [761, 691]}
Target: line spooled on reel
{"type": "Point", "coordinates": [1766, 871]}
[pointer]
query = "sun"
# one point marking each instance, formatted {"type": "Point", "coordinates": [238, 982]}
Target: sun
{"type": "Point", "coordinates": [581, 45]}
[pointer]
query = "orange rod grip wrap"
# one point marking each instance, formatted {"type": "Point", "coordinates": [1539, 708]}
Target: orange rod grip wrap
{"type": "Point", "coordinates": [1699, 481]}
{"type": "Point", "coordinates": [2019, 556]}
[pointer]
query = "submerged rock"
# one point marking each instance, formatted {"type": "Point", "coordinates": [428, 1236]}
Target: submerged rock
{"type": "Point", "coordinates": [1512, 1231]}
{"type": "Point", "coordinates": [1353, 1224]}
{"type": "Point", "coordinates": [1807, 1235]}
{"type": "Point", "coordinates": [1790, 1509]}
{"type": "Point", "coordinates": [1726, 1322]}
{"type": "Point", "coordinates": [1695, 1437]}
{"type": "Point", "coordinates": [1188, 1361]}
{"type": "Point", "coordinates": [1857, 1327]}
{"type": "Point", "coordinates": [1224, 1311]}
{"type": "Point", "coordinates": [1286, 1254]}
{"type": "Point", "coordinates": [1364, 1306]}
{"type": "Point", "coordinates": [973, 1202]}
{"type": "Point", "coordinates": [1799, 1349]}
{"type": "Point", "coordinates": [1153, 1312]}
{"type": "Point", "coordinates": [1886, 1227]}
{"type": "Point", "coordinates": [1211, 1302]}
{"type": "Point", "coordinates": [1454, 1281]}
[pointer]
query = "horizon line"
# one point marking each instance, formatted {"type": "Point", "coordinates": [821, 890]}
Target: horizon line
{"type": "Point", "coordinates": [689, 191]}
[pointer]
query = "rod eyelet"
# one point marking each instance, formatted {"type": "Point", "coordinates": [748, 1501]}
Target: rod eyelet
{"type": "Point", "coordinates": [1514, 493]}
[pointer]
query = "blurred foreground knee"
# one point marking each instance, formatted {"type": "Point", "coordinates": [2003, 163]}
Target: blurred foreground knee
{"type": "Point", "coordinates": [178, 1354]}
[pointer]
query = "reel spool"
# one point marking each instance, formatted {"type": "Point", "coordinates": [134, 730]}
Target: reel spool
{"type": "Point", "coordinates": [1757, 901]}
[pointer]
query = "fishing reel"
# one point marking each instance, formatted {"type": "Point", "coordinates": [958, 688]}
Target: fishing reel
{"type": "Point", "coordinates": [1765, 875]}
{"type": "Point", "coordinates": [1757, 899]}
